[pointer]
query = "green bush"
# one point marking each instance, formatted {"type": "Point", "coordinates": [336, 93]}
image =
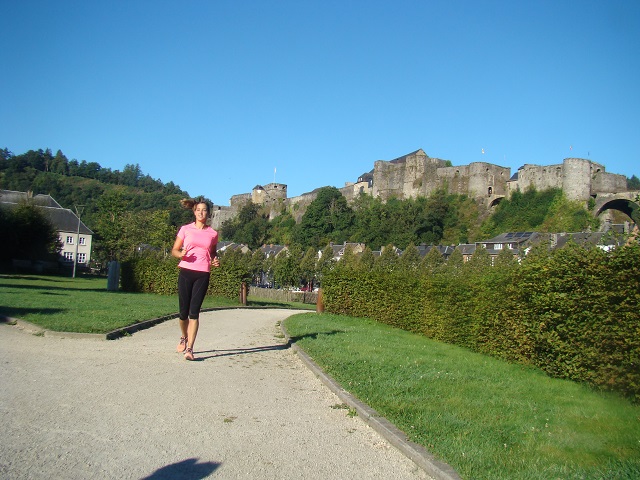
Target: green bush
{"type": "Point", "coordinates": [571, 312]}
{"type": "Point", "coordinates": [152, 274]}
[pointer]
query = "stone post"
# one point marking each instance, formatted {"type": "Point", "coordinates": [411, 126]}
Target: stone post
{"type": "Point", "coordinates": [243, 293]}
{"type": "Point", "coordinates": [113, 276]}
{"type": "Point", "coordinates": [320, 302]}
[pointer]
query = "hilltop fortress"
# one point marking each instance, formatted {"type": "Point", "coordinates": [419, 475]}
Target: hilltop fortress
{"type": "Point", "coordinates": [418, 175]}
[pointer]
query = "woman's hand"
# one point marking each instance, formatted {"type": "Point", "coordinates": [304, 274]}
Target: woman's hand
{"type": "Point", "coordinates": [215, 262]}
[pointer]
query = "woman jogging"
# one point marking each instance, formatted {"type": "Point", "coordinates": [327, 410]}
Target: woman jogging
{"type": "Point", "coordinates": [195, 246]}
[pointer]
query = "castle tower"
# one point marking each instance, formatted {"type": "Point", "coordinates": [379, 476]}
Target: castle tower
{"type": "Point", "coordinates": [268, 194]}
{"type": "Point", "coordinates": [576, 178]}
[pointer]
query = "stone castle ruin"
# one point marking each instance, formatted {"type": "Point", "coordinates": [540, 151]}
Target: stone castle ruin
{"type": "Point", "coordinates": [418, 175]}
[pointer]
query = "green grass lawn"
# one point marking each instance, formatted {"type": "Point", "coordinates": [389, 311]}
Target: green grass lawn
{"type": "Point", "coordinates": [83, 304]}
{"type": "Point", "coordinates": [488, 419]}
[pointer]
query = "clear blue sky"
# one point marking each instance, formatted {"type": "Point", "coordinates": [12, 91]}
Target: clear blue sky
{"type": "Point", "coordinates": [215, 95]}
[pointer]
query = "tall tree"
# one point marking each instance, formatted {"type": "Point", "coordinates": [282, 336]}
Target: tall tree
{"type": "Point", "coordinates": [308, 266]}
{"type": "Point", "coordinates": [110, 227]}
{"type": "Point", "coordinates": [432, 260]}
{"type": "Point", "coordinates": [410, 258]}
{"type": "Point", "coordinates": [286, 271]}
{"type": "Point", "coordinates": [325, 262]}
{"type": "Point", "coordinates": [633, 183]}
{"type": "Point", "coordinates": [327, 219]}
{"type": "Point", "coordinates": [367, 259]}
{"type": "Point", "coordinates": [388, 259]}
{"type": "Point", "coordinates": [28, 234]}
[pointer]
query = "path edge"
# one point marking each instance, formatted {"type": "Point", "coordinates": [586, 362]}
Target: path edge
{"type": "Point", "coordinates": [415, 452]}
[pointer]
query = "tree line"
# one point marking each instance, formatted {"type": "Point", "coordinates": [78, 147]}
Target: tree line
{"type": "Point", "coordinates": [129, 211]}
{"type": "Point", "coordinates": [125, 209]}
{"type": "Point", "coordinates": [442, 218]}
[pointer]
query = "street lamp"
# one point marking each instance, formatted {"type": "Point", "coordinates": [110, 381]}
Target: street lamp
{"type": "Point", "coordinates": [79, 210]}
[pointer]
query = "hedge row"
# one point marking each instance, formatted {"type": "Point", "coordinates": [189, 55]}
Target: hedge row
{"type": "Point", "coordinates": [150, 274]}
{"type": "Point", "coordinates": [571, 312]}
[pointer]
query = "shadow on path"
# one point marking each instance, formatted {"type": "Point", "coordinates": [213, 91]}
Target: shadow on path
{"type": "Point", "coordinates": [188, 469]}
{"type": "Point", "coordinates": [240, 351]}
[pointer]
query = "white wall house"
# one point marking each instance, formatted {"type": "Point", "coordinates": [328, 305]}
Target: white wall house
{"type": "Point", "coordinates": [75, 237]}
{"type": "Point", "coordinates": [73, 242]}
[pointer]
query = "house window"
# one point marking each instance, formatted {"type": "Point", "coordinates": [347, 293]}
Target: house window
{"type": "Point", "coordinates": [498, 246]}
{"type": "Point", "coordinates": [82, 241]}
{"type": "Point", "coordinates": [69, 240]}
{"type": "Point", "coordinates": [68, 256]}
{"type": "Point", "coordinates": [82, 258]}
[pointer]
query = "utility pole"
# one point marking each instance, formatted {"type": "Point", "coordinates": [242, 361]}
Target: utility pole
{"type": "Point", "coordinates": [79, 210]}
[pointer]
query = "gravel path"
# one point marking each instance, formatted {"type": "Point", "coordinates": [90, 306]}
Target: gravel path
{"type": "Point", "coordinates": [78, 408]}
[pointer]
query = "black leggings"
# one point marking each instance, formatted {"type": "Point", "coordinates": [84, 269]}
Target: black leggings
{"type": "Point", "coordinates": [192, 287]}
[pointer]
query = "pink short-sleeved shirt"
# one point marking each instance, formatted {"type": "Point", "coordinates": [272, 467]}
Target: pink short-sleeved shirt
{"type": "Point", "coordinates": [197, 244]}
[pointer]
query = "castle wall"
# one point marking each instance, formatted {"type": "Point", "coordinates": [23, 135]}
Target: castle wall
{"type": "Point", "coordinates": [487, 179]}
{"type": "Point", "coordinates": [415, 170]}
{"type": "Point", "coordinates": [221, 215]}
{"type": "Point", "coordinates": [603, 182]}
{"type": "Point", "coordinates": [270, 193]}
{"type": "Point", "coordinates": [416, 174]}
{"type": "Point", "coordinates": [456, 179]}
{"type": "Point", "coordinates": [388, 180]}
{"type": "Point", "coordinates": [351, 190]}
{"type": "Point", "coordinates": [408, 177]}
{"type": "Point", "coordinates": [576, 178]}
{"type": "Point", "coordinates": [540, 178]}
{"type": "Point", "coordinates": [238, 201]}
{"type": "Point", "coordinates": [298, 205]}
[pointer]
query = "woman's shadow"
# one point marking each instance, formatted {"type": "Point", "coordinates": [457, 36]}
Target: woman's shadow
{"type": "Point", "coordinates": [244, 351]}
{"type": "Point", "coordinates": [239, 351]}
{"type": "Point", "coordinates": [188, 469]}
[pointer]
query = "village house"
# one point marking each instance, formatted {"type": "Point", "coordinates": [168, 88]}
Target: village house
{"type": "Point", "coordinates": [74, 236]}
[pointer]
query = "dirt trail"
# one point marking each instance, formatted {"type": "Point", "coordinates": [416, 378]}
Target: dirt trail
{"type": "Point", "coordinates": [78, 408]}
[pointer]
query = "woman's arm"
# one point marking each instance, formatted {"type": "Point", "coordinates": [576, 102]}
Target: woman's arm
{"type": "Point", "coordinates": [177, 251]}
{"type": "Point", "coordinates": [215, 261]}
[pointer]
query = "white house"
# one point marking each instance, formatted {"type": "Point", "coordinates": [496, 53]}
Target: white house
{"type": "Point", "coordinates": [75, 237]}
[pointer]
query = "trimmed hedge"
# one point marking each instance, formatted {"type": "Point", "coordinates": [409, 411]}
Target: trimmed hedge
{"type": "Point", "coordinates": [150, 274]}
{"type": "Point", "coordinates": [571, 312]}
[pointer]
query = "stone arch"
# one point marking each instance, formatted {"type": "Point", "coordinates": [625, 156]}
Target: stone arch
{"type": "Point", "coordinates": [625, 205]}
{"type": "Point", "coordinates": [495, 201]}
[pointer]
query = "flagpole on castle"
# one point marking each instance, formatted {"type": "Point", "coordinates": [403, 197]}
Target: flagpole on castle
{"type": "Point", "coordinates": [274, 174]}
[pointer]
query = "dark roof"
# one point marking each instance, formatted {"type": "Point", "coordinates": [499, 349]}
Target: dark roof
{"type": "Point", "coordinates": [11, 196]}
{"type": "Point", "coordinates": [366, 177]}
{"type": "Point", "coordinates": [443, 250]}
{"type": "Point", "coordinates": [512, 237]}
{"type": "Point", "coordinates": [337, 248]}
{"type": "Point", "coordinates": [403, 159]}
{"type": "Point", "coordinates": [272, 250]}
{"type": "Point", "coordinates": [229, 246]}
{"type": "Point", "coordinates": [467, 248]}
{"type": "Point", "coordinates": [63, 219]}
{"type": "Point", "coordinates": [587, 238]}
